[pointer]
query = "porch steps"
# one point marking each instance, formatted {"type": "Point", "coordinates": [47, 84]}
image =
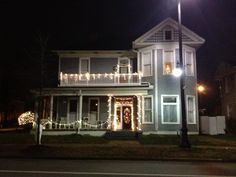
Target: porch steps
{"type": "Point", "coordinates": [122, 135]}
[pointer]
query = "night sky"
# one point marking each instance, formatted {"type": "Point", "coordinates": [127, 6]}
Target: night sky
{"type": "Point", "coordinates": [104, 24]}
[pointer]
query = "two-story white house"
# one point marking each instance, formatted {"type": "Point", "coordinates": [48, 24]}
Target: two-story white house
{"type": "Point", "coordinates": [135, 90]}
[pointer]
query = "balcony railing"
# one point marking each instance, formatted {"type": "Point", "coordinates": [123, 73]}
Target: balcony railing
{"type": "Point", "coordinates": [88, 79]}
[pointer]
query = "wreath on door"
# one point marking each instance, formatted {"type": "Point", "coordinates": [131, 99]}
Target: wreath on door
{"type": "Point", "coordinates": [127, 115]}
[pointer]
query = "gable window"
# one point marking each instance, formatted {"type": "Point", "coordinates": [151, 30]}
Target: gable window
{"type": "Point", "coordinates": [168, 62]}
{"type": "Point", "coordinates": [147, 118]}
{"type": "Point", "coordinates": [84, 65]}
{"type": "Point", "coordinates": [170, 109]}
{"type": "Point", "coordinates": [191, 112]}
{"type": "Point", "coordinates": [189, 67]}
{"type": "Point", "coordinates": [147, 64]}
{"type": "Point", "coordinates": [168, 35]}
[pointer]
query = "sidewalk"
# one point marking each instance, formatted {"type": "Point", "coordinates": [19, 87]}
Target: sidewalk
{"type": "Point", "coordinates": [125, 150]}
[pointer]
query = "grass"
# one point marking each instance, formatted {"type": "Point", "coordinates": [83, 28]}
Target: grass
{"type": "Point", "coordinates": [27, 138]}
{"type": "Point", "coordinates": [70, 146]}
{"type": "Point", "coordinates": [20, 137]}
{"type": "Point", "coordinates": [74, 138]}
{"type": "Point", "coordinates": [197, 140]}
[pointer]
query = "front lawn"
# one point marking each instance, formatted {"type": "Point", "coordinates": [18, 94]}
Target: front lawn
{"type": "Point", "coordinates": [27, 138]}
{"type": "Point", "coordinates": [195, 140]}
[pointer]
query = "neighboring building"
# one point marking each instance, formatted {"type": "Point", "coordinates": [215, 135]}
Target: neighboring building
{"type": "Point", "coordinates": [226, 77]}
{"type": "Point", "coordinates": [126, 89]}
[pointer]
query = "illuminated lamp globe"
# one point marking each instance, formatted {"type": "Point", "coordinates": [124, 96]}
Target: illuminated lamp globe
{"type": "Point", "coordinates": [177, 72]}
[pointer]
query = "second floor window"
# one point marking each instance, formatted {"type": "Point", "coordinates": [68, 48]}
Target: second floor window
{"type": "Point", "coordinates": [189, 67]}
{"type": "Point", "coordinates": [84, 65]}
{"type": "Point", "coordinates": [168, 62]}
{"type": "Point", "coordinates": [147, 64]}
{"type": "Point", "coordinates": [124, 65]}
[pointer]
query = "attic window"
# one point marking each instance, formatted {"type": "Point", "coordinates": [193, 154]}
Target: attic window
{"type": "Point", "coordinates": [168, 35]}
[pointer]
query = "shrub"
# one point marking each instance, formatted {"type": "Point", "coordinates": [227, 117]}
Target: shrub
{"type": "Point", "coordinates": [231, 126]}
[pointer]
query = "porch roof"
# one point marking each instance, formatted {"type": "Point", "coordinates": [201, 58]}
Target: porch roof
{"type": "Point", "coordinates": [98, 91]}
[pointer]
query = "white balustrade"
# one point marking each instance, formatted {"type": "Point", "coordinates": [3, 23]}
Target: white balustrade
{"type": "Point", "coordinates": [100, 79]}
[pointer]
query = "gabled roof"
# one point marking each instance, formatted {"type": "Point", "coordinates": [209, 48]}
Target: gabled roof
{"type": "Point", "coordinates": [155, 35]}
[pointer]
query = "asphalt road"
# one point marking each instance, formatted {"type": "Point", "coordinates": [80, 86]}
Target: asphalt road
{"type": "Point", "coordinates": [99, 168]}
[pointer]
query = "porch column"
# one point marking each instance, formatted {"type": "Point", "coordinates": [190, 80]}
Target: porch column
{"type": "Point", "coordinates": [139, 112]}
{"type": "Point", "coordinates": [51, 112]}
{"type": "Point", "coordinates": [80, 110]}
{"type": "Point", "coordinates": [109, 112]}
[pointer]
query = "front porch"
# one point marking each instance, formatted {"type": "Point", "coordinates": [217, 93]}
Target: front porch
{"type": "Point", "coordinates": [61, 111]}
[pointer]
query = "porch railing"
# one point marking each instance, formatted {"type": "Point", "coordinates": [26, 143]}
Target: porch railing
{"type": "Point", "coordinates": [88, 79]}
{"type": "Point", "coordinates": [83, 124]}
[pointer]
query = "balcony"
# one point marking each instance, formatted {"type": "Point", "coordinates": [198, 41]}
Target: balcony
{"type": "Point", "coordinates": [106, 79]}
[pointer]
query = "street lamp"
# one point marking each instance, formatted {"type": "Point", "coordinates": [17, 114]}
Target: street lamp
{"type": "Point", "coordinates": [201, 90]}
{"type": "Point", "coordinates": [184, 130]}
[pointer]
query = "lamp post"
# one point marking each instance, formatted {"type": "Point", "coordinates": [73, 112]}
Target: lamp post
{"type": "Point", "coordinates": [184, 130]}
{"type": "Point", "coordinates": [201, 89]}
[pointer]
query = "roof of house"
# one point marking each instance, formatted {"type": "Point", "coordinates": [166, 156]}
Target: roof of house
{"type": "Point", "coordinates": [155, 35]}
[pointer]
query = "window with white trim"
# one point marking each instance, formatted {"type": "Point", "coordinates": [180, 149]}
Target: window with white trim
{"type": "Point", "coordinates": [189, 66]}
{"type": "Point", "coordinates": [124, 65]}
{"type": "Point", "coordinates": [148, 110]}
{"type": "Point", "coordinates": [168, 62]}
{"type": "Point", "coordinates": [84, 65]}
{"type": "Point", "coordinates": [147, 63]}
{"type": "Point", "coordinates": [191, 111]}
{"type": "Point", "coordinates": [170, 109]}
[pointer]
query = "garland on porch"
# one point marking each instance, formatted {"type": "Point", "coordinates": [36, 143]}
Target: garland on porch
{"type": "Point", "coordinates": [75, 123]}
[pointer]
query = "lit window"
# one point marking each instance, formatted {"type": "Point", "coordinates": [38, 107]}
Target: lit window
{"type": "Point", "coordinates": [170, 109]}
{"type": "Point", "coordinates": [147, 64]}
{"type": "Point", "coordinates": [147, 110]}
{"type": "Point", "coordinates": [189, 69]}
{"type": "Point", "coordinates": [191, 113]}
{"type": "Point", "coordinates": [168, 62]}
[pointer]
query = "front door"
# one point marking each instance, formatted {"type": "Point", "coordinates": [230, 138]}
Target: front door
{"type": "Point", "coordinates": [126, 117]}
{"type": "Point", "coordinates": [123, 117]}
{"type": "Point", "coordinates": [93, 111]}
{"type": "Point", "coordinates": [123, 111]}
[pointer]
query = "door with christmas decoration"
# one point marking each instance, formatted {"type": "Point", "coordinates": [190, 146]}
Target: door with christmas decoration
{"type": "Point", "coordinates": [126, 115]}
